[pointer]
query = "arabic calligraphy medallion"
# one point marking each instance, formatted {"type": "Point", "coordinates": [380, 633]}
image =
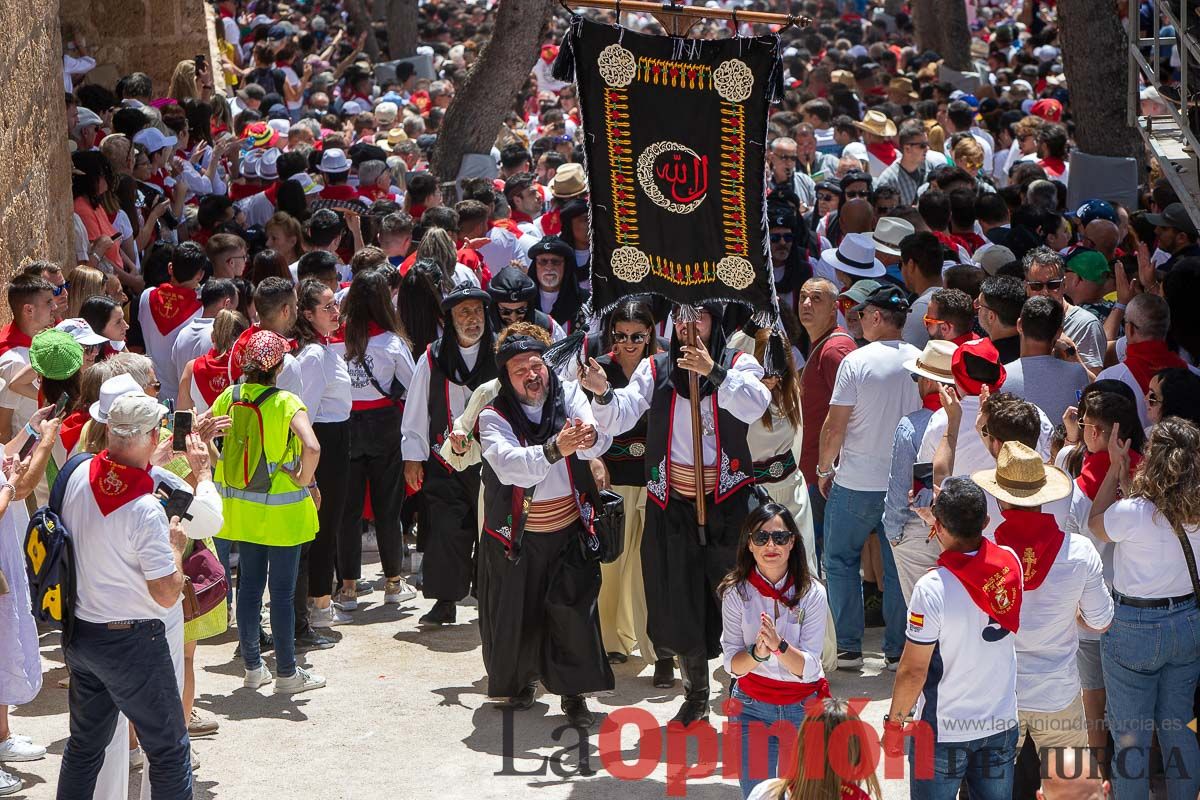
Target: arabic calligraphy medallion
{"type": "Point", "coordinates": [673, 176]}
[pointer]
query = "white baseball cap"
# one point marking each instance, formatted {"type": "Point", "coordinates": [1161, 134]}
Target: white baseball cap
{"type": "Point", "coordinates": [81, 331]}
{"type": "Point", "coordinates": [134, 413]}
{"type": "Point", "coordinates": [153, 139]}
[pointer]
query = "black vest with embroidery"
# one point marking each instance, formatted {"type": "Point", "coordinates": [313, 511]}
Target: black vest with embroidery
{"type": "Point", "coordinates": [505, 507]}
{"type": "Point", "coordinates": [625, 459]}
{"type": "Point", "coordinates": [441, 421]}
{"type": "Point", "coordinates": [735, 467]}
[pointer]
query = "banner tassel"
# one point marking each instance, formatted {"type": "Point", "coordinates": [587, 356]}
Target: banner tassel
{"type": "Point", "coordinates": [563, 68]}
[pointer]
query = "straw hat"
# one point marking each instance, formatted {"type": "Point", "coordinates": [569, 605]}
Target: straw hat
{"type": "Point", "coordinates": [878, 123]}
{"type": "Point", "coordinates": [903, 85]}
{"type": "Point", "coordinates": [845, 77]}
{"type": "Point", "coordinates": [569, 181]}
{"type": "Point", "coordinates": [934, 361]}
{"type": "Point", "coordinates": [1021, 478]}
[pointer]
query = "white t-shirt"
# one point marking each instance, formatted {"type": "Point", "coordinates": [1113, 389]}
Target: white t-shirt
{"type": "Point", "coordinates": [971, 688]}
{"type": "Point", "coordinates": [1047, 673]}
{"type": "Point", "coordinates": [193, 341]}
{"type": "Point", "coordinates": [159, 345]}
{"type": "Point", "coordinates": [874, 381]}
{"type": "Point", "coordinates": [970, 453]}
{"type": "Point", "coordinates": [1149, 558]}
{"type": "Point", "coordinates": [116, 554]}
{"type": "Point", "coordinates": [11, 363]}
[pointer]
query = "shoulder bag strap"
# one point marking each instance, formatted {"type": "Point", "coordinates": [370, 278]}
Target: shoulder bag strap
{"type": "Point", "coordinates": [362, 362]}
{"type": "Point", "coordinates": [1188, 556]}
{"type": "Point", "coordinates": [60, 481]}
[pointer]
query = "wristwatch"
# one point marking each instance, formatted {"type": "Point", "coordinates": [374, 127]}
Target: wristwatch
{"type": "Point", "coordinates": [783, 647]}
{"type": "Point", "coordinates": [823, 474]}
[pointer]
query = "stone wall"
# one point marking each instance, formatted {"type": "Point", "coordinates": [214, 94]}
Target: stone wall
{"type": "Point", "coordinates": [150, 36]}
{"type": "Point", "coordinates": [35, 176]}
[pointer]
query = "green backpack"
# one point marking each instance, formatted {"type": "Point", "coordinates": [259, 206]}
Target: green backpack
{"type": "Point", "coordinates": [246, 464]}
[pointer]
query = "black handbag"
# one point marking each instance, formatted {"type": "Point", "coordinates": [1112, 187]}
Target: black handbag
{"type": "Point", "coordinates": [606, 543]}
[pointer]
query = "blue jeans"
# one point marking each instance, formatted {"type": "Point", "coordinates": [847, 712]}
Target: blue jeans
{"type": "Point", "coordinates": [124, 670]}
{"type": "Point", "coordinates": [755, 720]}
{"type": "Point", "coordinates": [1151, 660]}
{"type": "Point", "coordinates": [986, 764]}
{"type": "Point", "coordinates": [262, 567]}
{"type": "Point", "coordinates": [817, 504]}
{"type": "Point", "coordinates": [850, 516]}
{"type": "Point", "coordinates": [224, 549]}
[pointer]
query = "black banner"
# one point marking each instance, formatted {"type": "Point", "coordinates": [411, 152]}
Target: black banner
{"type": "Point", "coordinates": [674, 145]}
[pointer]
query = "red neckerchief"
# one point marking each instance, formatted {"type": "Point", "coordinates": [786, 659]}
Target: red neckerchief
{"type": "Point", "coordinates": [210, 374]}
{"type": "Point", "coordinates": [969, 336]}
{"type": "Point", "coordinates": [992, 577]}
{"type": "Point", "coordinates": [375, 330]}
{"type": "Point", "coordinates": [516, 216]}
{"type": "Point", "coordinates": [551, 223]}
{"type": "Point", "coordinates": [235, 352]}
{"type": "Point", "coordinates": [469, 257]}
{"type": "Point", "coordinates": [339, 191]}
{"type": "Point", "coordinates": [766, 589]}
{"type": "Point", "coordinates": [509, 225]}
{"type": "Point", "coordinates": [1144, 359]}
{"type": "Point", "coordinates": [373, 193]}
{"type": "Point", "coordinates": [172, 306]}
{"type": "Point", "coordinates": [240, 191]}
{"type": "Point", "coordinates": [852, 792]}
{"type": "Point", "coordinates": [11, 336]}
{"type": "Point", "coordinates": [114, 485]}
{"type": "Point", "coordinates": [1053, 166]}
{"type": "Point", "coordinates": [932, 401]}
{"type": "Point", "coordinates": [974, 240]}
{"type": "Point", "coordinates": [1035, 537]}
{"type": "Point", "coordinates": [1095, 467]}
{"type": "Point", "coordinates": [71, 428]}
{"type": "Point", "coordinates": [884, 151]}
{"type": "Point", "coordinates": [950, 240]}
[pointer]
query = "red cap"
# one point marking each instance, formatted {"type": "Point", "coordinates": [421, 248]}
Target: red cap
{"type": "Point", "coordinates": [975, 364]}
{"type": "Point", "coordinates": [1048, 109]}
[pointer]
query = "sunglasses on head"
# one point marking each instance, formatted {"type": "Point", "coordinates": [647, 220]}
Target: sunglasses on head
{"type": "Point", "coordinates": [781, 538]}
{"type": "Point", "coordinates": [776, 238]}
{"type": "Point", "coordinates": [636, 338]}
{"type": "Point", "coordinates": [1038, 286]}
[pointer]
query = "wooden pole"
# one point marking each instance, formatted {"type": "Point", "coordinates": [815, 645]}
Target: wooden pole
{"type": "Point", "coordinates": [670, 14]}
{"type": "Point", "coordinates": [697, 439]}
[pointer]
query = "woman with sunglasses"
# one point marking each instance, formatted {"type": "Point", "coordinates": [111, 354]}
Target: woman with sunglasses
{"type": "Point", "coordinates": [773, 614]}
{"type": "Point", "coordinates": [629, 340]}
{"type": "Point", "coordinates": [1174, 392]}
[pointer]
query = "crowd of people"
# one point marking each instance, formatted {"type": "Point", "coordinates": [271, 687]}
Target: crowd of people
{"type": "Point", "coordinates": [375, 360]}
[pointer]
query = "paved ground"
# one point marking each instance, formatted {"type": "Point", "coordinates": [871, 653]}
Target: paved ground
{"type": "Point", "coordinates": [404, 717]}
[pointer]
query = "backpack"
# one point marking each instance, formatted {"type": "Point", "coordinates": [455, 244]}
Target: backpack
{"type": "Point", "coordinates": [50, 556]}
{"type": "Point", "coordinates": [271, 79]}
{"type": "Point", "coordinates": [246, 465]}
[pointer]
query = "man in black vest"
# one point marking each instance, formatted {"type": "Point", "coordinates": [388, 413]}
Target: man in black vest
{"type": "Point", "coordinates": [513, 294]}
{"type": "Point", "coordinates": [682, 565]}
{"type": "Point", "coordinates": [537, 585]}
{"type": "Point", "coordinates": [450, 369]}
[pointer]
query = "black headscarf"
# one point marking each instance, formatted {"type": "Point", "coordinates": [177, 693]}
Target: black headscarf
{"type": "Point", "coordinates": [446, 350]}
{"type": "Point", "coordinates": [570, 297]}
{"type": "Point", "coordinates": [716, 349]}
{"type": "Point", "coordinates": [554, 413]}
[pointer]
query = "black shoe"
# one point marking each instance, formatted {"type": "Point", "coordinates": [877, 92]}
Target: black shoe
{"type": "Point", "coordinates": [443, 613]}
{"type": "Point", "coordinates": [362, 587]}
{"type": "Point", "coordinates": [575, 707]}
{"type": "Point", "coordinates": [309, 639]}
{"type": "Point", "coordinates": [692, 710]}
{"type": "Point", "coordinates": [849, 659]}
{"type": "Point", "coordinates": [695, 686]}
{"type": "Point", "coordinates": [265, 640]}
{"type": "Point", "coordinates": [617, 658]}
{"type": "Point", "coordinates": [522, 700]}
{"type": "Point", "coordinates": [664, 673]}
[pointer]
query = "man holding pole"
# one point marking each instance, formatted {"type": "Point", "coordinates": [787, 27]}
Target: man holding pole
{"type": "Point", "coordinates": [700, 398]}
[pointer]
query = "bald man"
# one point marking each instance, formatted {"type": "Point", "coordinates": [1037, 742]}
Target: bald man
{"type": "Point", "coordinates": [1102, 235]}
{"type": "Point", "coordinates": [857, 216]}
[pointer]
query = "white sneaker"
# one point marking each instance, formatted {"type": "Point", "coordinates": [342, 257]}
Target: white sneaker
{"type": "Point", "coordinates": [17, 748]}
{"type": "Point", "coordinates": [397, 591]}
{"type": "Point", "coordinates": [195, 760]}
{"type": "Point", "coordinates": [257, 677]}
{"type": "Point", "coordinates": [328, 617]}
{"type": "Point", "coordinates": [9, 783]}
{"type": "Point", "coordinates": [302, 681]}
{"type": "Point", "coordinates": [137, 757]}
{"type": "Point", "coordinates": [370, 542]}
{"type": "Point", "coordinates": [414, 561]}
{"type": "Point", "coordinates": [346, 601]}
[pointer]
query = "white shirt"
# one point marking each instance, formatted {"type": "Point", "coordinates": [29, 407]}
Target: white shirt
{"type": "Point", "coordinates": [527, 466]}
{"type": "Point", "coordinates": [258, 209]}
{"type": "Point", "coordinates": [11, 363]}
{"type": "Point", "coordinates": [1047, 673]}
{"type": "Point", "coordinates": [388, 357]}
{"type": "Point", "coordinates": [1120, 372]}
{"type": "Point", "coordinates": [970, 453]}
{"type": "Point", "coordinates": [971, 687]}
{"type": "Point", "coordinates": [326, 382]}
{"type": "Point", "coordinates": [415, 446]}
{"type": "Point", "coordinates": [1149, 558]}
{"type": "Point", "coordinates": [75, 66]}
{"type": "Point", "coordinates": [915, 332]}
{"type": "Point", "coordinates": [116, 554]}
{"type": "Point", "coordinates": [873, 381]}
{"type": "Point", "coordinates": [343, 270]}
{"type": "Point", "coordinates": [802, 627]}
{"type": "Point", "coordinates": [193, 341]}
{"type": "Point", "coordinates": [741, 394]}
{"type": "Point", "coordinates": [159, 345]}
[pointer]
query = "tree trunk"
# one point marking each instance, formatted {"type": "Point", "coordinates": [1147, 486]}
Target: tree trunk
{"type": "Point", "coordinates": [1095, 48]}
{"type": "Point", "coordinates": [401, 28]}
{"type": "Point", "coordinates": [477, 111]}
{"type": "Point", "coordinates": [929, 33]}
{"type": "Point", "coordinates": [951, 20]}
{"type": "Point", "coordinates": [360, 16]}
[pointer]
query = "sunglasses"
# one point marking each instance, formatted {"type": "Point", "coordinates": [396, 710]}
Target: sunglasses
{"type": "Point", "coordinates": [776, 238]}
{"type": "Point", "coordinates": [58, 290]}
{"type": "Point", "coordinates": [826, 198]}
{"type": "Point", "coordinates": [922, 145]}
{"type": "Point", "coordinates": [855, 195]}
{"type": "Point", "coordinates": [1038, 286]}
{"type": "Point", "coordinates": [511, 312]}
{"type": "Point", "coordinates": [933, 320]}
{"type": "Point", "coordinates": [785, 157]}
{"type": "Point", "coordinates": [781, 538]}
{"type": "Point", "coordinates": [1152, 399]}
{"type": "Point", "coordinates": [635, 338]}
{"type": "Point", "coordinates": [155, 385]}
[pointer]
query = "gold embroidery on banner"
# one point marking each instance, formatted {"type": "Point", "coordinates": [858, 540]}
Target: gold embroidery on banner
{"type": "Point", "coordinates": [678, 74]}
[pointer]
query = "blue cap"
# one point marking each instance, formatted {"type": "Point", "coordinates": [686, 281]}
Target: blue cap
{"type": "Point", "coordinates": [1097, 209]}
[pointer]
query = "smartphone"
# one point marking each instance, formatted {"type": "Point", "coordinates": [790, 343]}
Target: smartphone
{"type": "Point", "coordinates": [180, 430]}
{"type": "Point", "coordinates": [200, 63]}
{"type": "Point", "coordinates": [27, 448]}
{"type": "Point", "coordinates": [60, 407]}
{"type": "Point", "coordinates": [922, 484]}
{"type": "Point", "coordinates": [175, 501]}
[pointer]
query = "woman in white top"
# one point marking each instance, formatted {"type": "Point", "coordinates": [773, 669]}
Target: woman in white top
{"type": "Point", "coordinates": [206, 376]}
{"type": "Point", "coordinates": [380, 363]}
{"type": "Point", "coordinates": [326, 395]}
{"type": "Point", "coordinates": [1151, 653]}
{"type": "Point", "coordinates": [773, 628]}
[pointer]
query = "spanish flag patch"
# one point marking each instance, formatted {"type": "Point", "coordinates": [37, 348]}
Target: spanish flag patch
{"type": "Point", "coordinates": [916, 620]}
